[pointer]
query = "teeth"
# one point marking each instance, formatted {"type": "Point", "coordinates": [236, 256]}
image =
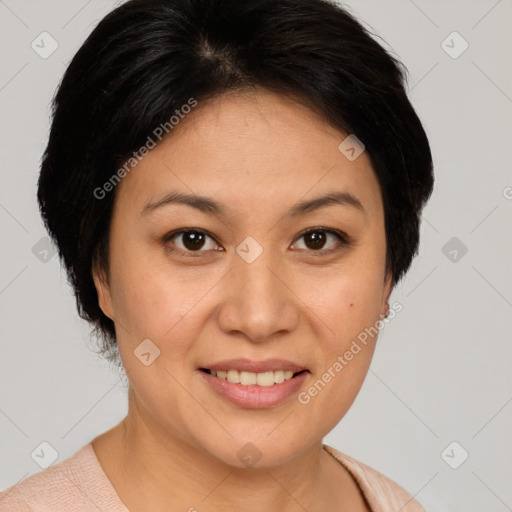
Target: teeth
{"type": "Point", "coordinates": [233, 376]}
{"type": "Point", "coordinates": [264, 379]}
{"type": "Point", "coordinates": [247, 378]}
{"type": "Point", "coordinates": [279, 376]}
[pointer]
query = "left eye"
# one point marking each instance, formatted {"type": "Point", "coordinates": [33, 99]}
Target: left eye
{"type": "Point", "coordinates": [315, 239]}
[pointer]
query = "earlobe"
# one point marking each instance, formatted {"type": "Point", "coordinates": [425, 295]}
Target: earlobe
{"type": "Point", "coordinates": [103, 291]}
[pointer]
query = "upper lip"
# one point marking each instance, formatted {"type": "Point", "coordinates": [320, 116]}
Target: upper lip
{"type": "Point", "coordinates": [246, 365]}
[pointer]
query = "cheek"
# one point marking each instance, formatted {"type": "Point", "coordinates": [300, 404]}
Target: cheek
{"type": "Point", "coordinates": [347, 302]}
{"type": "Point", "coordinates": [342, 359]}
{"type": "Point", "coordinates": [143, 306]}
{"type": "Point", "coordinates": [150, 298]}
{"type": "Point", "coordinates": [345, 356]}
{"type": "Point", "coordinates": [152, 305]}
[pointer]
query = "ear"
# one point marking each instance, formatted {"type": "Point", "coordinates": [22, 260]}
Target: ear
{"type": "Point", "coordinates": [103, 290]}
{"type": "Point", "coordinates": [386, 292]}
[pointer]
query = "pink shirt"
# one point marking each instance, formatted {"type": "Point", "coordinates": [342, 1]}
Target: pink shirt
{"type": "Point", "coordinates": [79, 484]}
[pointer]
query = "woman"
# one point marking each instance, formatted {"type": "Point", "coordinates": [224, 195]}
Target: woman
{"type": "Point", "coordinates": [235, 188]}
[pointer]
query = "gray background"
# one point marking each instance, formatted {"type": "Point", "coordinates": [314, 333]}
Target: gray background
{"type": "Point", "coordinates": [442, 370]}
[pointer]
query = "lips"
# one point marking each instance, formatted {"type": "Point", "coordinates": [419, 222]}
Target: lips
{"type": "Point", "coordinates": [254, 384]}
{"type": "Point", "coordinates": [249, 393]}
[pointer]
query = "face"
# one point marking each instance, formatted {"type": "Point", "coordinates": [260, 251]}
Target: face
{"type": "Point", "coordinates": [233, 275]}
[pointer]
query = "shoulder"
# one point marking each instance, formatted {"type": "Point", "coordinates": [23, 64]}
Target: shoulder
{"type": "Point", "coordinates": [382, 493]}
{"type": "Point", "coordinates": [76, 483]}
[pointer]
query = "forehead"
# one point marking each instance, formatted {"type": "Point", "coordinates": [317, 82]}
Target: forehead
{"type": "Point", "coordinates": [251, 151]}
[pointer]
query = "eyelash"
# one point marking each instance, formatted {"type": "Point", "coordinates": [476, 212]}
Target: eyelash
{"type": "Point", "coordinates": [342, 237]}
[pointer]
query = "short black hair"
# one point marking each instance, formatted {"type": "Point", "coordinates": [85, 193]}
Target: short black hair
{"type": "Point", "coordinates": [148, 58]}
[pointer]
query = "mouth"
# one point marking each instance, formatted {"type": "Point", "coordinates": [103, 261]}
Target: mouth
{"type": "Point", "coordinates": [255, 389]}
{"type": "Point", "coordinates": [254, 384]}
{"type": "Point", "coordinates": [246, 378]}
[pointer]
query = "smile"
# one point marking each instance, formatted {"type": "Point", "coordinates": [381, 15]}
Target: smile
{"type": "Point", "coordinates": [252, 390]}
{"type": "Point", "coordinates": [264, 379]}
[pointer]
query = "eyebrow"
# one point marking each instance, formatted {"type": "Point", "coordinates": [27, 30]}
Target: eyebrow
{"type": "Point", "coordinates": [211, 206]}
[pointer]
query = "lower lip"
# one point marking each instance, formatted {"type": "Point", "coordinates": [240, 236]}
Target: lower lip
{"type": "Point", "coordinates": [253, 396]}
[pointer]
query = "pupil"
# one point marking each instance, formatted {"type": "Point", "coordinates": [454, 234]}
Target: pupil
{"type": "Point", "coordinates": [317, 239]}
{"type": "Point", "coordinates": [193, 240]}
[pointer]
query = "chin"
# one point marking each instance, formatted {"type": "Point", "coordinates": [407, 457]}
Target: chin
{"type": "Point", "coordinates": [256, 451]}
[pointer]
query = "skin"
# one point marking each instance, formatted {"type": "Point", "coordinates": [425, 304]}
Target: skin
{"type": "Point", "coordinates": [258, 154]}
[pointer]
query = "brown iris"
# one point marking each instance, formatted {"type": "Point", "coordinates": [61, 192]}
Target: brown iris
{"type": "Point", "coordinates": [193, 240]}
{"type": "Point", "coordinates": [315, 239]}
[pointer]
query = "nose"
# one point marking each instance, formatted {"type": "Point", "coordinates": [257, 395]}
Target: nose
{"type": "Point", "coordinates": [259, 301]}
